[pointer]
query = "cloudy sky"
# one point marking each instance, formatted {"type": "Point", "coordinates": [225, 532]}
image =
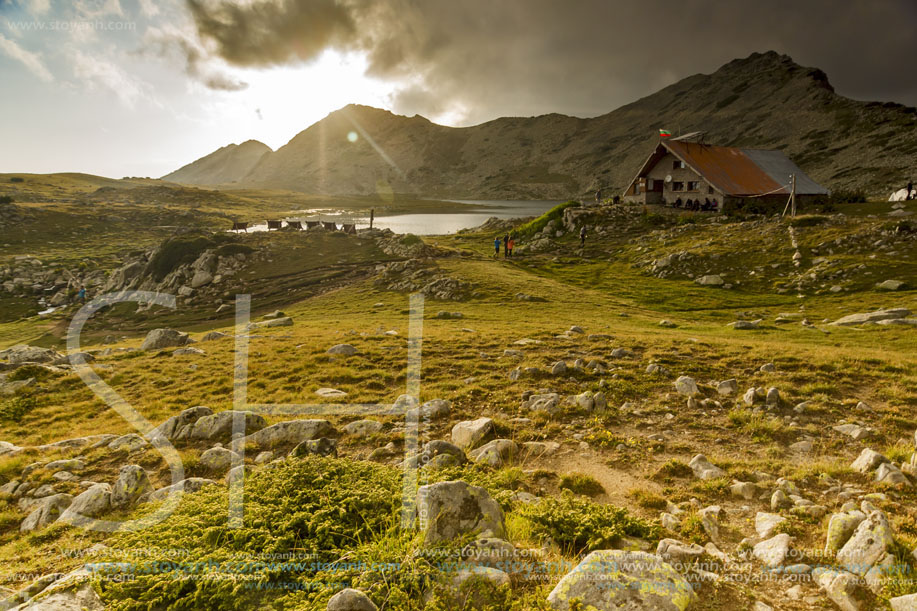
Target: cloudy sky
{"type": "Point", "coordinates": [141, 87]}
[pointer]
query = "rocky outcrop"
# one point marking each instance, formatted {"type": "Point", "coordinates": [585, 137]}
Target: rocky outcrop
{"type": "Point", "coordinates": [132, 484]}
{"type": "Point", "coordinates": [48, 510]}
{"type": "Point", "coordinates": [615, 579]}
{"type": "Point", "coordinates": [92, 503]}
{"type": "Point", "coordinates": [219, 426]}
{"type": "Point", "coordinates": [289, 433]}
{"type": "Point", "coordinates": [472, 433]}
{"type": "Point", "coordinates": [448, 510]}
{"type": "Point", "coordinates": [157, 339]}
{"type": "Point", "coordinates": [181, 426]}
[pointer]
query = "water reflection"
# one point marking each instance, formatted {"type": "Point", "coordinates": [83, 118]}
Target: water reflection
{"type": "Point", "coordinates": [425, 223]}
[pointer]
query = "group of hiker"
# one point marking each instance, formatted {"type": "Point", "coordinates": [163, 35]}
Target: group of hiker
{"type": "Point", "coordinates": [508, 241]}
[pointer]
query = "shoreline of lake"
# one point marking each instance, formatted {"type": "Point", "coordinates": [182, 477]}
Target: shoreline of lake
{"type": "Point", "coordinates": [467, 214]}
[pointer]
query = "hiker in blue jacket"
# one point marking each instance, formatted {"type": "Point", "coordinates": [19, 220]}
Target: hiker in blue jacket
{"type": "Point", "coordinates": [497, 247]}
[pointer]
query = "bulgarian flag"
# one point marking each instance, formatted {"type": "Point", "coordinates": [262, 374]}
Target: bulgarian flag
{"type": "Point", "coordinates": [664, 133]}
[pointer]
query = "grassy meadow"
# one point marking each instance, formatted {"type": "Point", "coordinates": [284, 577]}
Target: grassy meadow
{"type": "Point", "coordinates": [609, 478]}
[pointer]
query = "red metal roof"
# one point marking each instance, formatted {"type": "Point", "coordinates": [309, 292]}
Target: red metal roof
{"type": "Point", "coordinates": [728, 169]}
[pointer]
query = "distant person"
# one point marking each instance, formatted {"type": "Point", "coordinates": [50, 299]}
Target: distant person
{"type": "Point", "coordinates": [506, 246]}
{"type": "Point", "coordinates": [512, 243]}
{"type": "Point", "coordinates": [582, 237]}
{"type": "Point", "coordinates": [372, 217]}
{"type": "Point", "coordinates": [497, 247]}
{"type": "Point", "coordinates": [598, 196]}
{"type": "Point", "coordinates": [81, 295]}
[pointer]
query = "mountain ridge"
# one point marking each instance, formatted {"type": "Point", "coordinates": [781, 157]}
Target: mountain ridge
{"type": "Point", "coordinates": [765, 100]}
{"type": "Point", "coordinates": [226, 164]}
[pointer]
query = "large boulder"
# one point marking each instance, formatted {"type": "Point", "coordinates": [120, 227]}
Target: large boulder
{"type": "Point", "coordinates": [286, 321]}
{"type": "Point", "coordinates": [127, 443]}
{"type": "Point", "coordinates": [132, 483]}
{"type": "Point", "coordinates": [48, 510]}
{"type": "Point", "coordinates": [859, 319]}
{"type": "Point", "coordinates": [219, 426]}
{"type": "Point", "coordinates": [201, 278]}
{"type": "Point", "coordinates": [686, 385]}
{"type": "Point", "coordinates": [349, 599]}
{"type": "Point", "coordinates": [547, 402]}
{"type": "Point", "coordinates": [92, 503]}
{"type": "Point", "coordinates": [616, 579]}
{"type": "Point", "coordinates": [472, 433]}
{"type": "Point", "coordinates": [8, 448]}
{"type": "Point", "coordinates": [908, 602]}
{"type": "Point", "coordinates": [22, 353]}
{"type": "Point", "coordinates": [496, 453]}
{"type": "Point", "coordinates": [727, 387]}
{"type": "Point", "coordinates": [868, 460]}
{"type": "Point", "coordinates": [342, 350]}
{"type": "Point", "coordinates": [681, 554]}
{"type": "Point", "coordinates": [890, 285]}
{"type": "Point", "coordinates": [157, 339]}
{"type": "Point", "coordinates": [181, 425]}
{"type": "Point", "coordinates": [766, 524]}
{"type": "Point", "coordinates": [844, 589]}
{"type": "Point", "coordinates": [65, 464]}
{"type": "Point", "coordinates": [431, 410]}
{"type": "Point", "coordinates": [289, 433]}
{"type": "Point", "coordinates": [773, 552]}
{"type": "Point", "coordinates": [438, 453]}
{"type": "Point", "coordinates": [448, 510]}
{"type": "Point", "coordinates": [870, 541]}
{"type": "Point", "coordinates": [710, 280]}
{"type": "Point", "coordinates": [840, 528]}
{"type": "Point", "coordinates": [363, 428]}
{"type": "Point", "coordinates": [73, 592]}
{"type": "Point", "coordinates": [890, 474]}
{"type": "Point", "coordinates": [704, 469]}
{"type": "Point", "coordinates": [217, 459]}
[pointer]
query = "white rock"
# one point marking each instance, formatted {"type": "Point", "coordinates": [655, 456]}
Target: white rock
{"type": "Point", "coordinates": [772, 552]}
{"type": "Point", "coordinates": [472, 433]}
{"type": "Point", "coordinates": [767, 523]}
{"type": "Point", "coordinates": [686, 385]}
{"type": "Point", "coordinates": [704, 469]}
{"type": "Point", "coordinates": [727, 387]}
{"type": "Point", "coordinates": [342, 350]}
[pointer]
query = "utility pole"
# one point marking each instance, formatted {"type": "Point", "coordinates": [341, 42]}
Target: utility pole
{"type": "Point", "coordinates": [793, 195]}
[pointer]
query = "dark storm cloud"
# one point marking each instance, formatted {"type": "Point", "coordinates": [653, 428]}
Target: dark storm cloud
{"type": "Point", "coordinates": [272, 32]}
{"type": "Point", "coordinates": [196, 61]}
{"type": "Point", "coordinates": [581, 57]}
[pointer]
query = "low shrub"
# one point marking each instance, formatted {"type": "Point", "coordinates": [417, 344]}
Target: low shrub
{"type": "Point", "coordinates": [312, 521]}
{"type": "Point", "coordinates": [673, 468]}
{"type": "Point", "coordinates": [580, 483]}
{"type": "Point", "coordinates": [229, 250]}
{"type": "Point", "coordinates": [537, 225]}
{"type": "Point", "coordinates": [177, 251]}
{"type": "Point", "coordinates": [584, 526]}
{"type": "Point", "coordinates": [646, 499]}
{"type": "Point", "coordinates": [15, 409]}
